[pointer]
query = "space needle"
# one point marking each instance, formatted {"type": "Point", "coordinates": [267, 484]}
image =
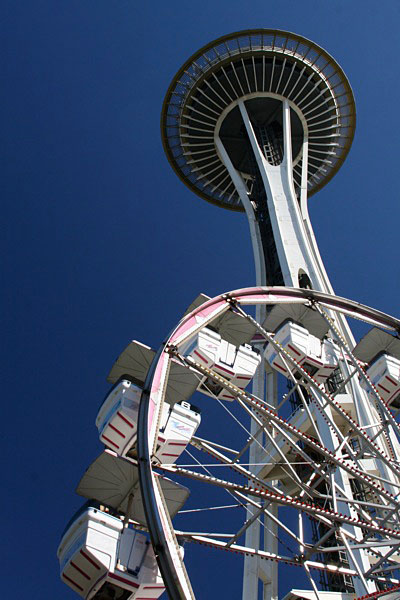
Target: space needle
{"type": "Point", "coordinates": [299, 473]}
{"type": "Point", "coordinates": [257, 121]}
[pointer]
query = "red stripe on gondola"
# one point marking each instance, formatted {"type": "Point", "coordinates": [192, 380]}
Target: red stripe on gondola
{"type": "Point", "coordinates": [279, 367]}
{"type": "Point", "coordinates": [200, 356]}
{"type": "Point", "coordinates": [384, 389]}
{"type": "Point", "coordinates": [90, 560]}
{"type": "Point", "coordinates": [117, 430]}
{"type": "Point", "coordinates": [223, 369]}
{"type": "Point", "coordinates": [314, 360]}
{"type": "Point", "coordinates": [154, 587]}
{"type": "Point", "coordinates": [393, 395]}
{"type": "Point", "coordinates": [124, 419]}
{"type": "Point", "coordinates": [294, 350]}
{"type": "Point", "coordinates": [80, 570]}
{"type": "Point", "coordinates": [73, 582]}
{"type": "Point", "coordinates": [391, 380]}
{"type": "Point", "coordinates": [123, 580]}
{"type": "Point", "coordinates": [110, 441]}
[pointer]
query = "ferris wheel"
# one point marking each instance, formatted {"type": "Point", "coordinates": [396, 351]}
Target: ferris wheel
{"type": "Point", "coordinates": [297, 488]}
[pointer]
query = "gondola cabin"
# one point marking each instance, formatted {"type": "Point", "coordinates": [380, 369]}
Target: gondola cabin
{"type": "Point", "coordinates": [315, 356]}
{"type": "Point", "coordinates": [101, 559]}
{"type": "Point", "coordinates": [384, 373]}
{"type": "Point", "coordinates": [236, 364]}
{"type": "Point", "coordinates": [118, 416]}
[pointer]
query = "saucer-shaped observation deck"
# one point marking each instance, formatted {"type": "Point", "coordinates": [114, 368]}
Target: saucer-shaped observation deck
{"type": "Point", "coordinates": [261, 67]}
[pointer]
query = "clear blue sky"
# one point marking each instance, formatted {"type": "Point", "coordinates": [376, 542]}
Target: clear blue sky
{"type": "Point", "coordinates": [103, 243]}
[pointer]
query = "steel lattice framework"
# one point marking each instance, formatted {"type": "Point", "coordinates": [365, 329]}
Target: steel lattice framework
{"type": "Point", "coordinates": [350, 523]}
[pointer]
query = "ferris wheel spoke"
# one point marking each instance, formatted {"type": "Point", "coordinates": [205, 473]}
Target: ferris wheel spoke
{"type": "Point", "coordinates": [271, 516]}
{"type": "Point", "coordinates": [200, 440]}
{"type": "Point", "coordinates": [343, 439]}
{"type": "Point", "coordinates": [375, 548]}
{"type": "Point", "coordinates": [238, 549]}
{"type": "Point", "coordinates": [390, 514]}
{"type": "Point", "coordinates": [325, 515]}
{"type": "Point", "coordinates": [201, 371]}
{"type": "Point", "coordinates": [255, 516]}
{"type": "Point", "coordinates": [328, 398]}
{"type": "Point", "coordinates": [379, 566]}
{"type": "Point", "coordinates": [327, 454]}
{"type": "Point", "coordinates": [317, 546]}
{"type": "Point", "coordinates": [311, 580]}
{"type": "Point", "coordinates": [325, 474]}
{"type": "Point", "coordinates": [292, 473]}
{"type": "Point", "coordinates": [237, 494]}
{"type": "Point", "coordinates": [249, 443]}
{"type": "Point", "coordinates": [353, 559]}
{"type": "Point", "coordinates": [295, 561]}
{"type": "Point", "coordinates": [382, 408]}
{"type": "Point", "coordinates": [231, 464]}
{"type": "Point", "coordinates": [307, 409]}
{"type": "Point", "coordinates": [290, 393]}
{"type": "Point", "coordinates": [236, 392]}
{"type": "Point", "coordinates": [240, 394]}
{"type": "Point", "coordinates": [284, 464]}
{"type": "Point", "coordinates": [370, 546]}
{"type": "Point", "coordinates": [381, 404]}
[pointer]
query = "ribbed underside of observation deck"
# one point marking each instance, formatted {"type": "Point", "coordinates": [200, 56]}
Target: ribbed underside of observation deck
{"type": "Point", "coordinates": [265, 64]}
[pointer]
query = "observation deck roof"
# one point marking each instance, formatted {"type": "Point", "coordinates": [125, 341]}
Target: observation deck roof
{"type": "Point", "coordinates": [248, 65]}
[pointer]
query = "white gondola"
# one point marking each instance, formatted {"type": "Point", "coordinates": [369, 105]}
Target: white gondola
{"type": "Point", "coordinates": [237, 364]}
{"type": "Point", "coordinates": [381, 351]}
{"type": "Point", "coordinates": [317, 357]}
{"type": "Point", "coordinates": [311, 595]}
{"type": "Point", "coordinates": [113, 481]}
{"type": "Point", "coordinates": [178, 428]}
{"type": "Point", "coordinates": [118, 416]}
{"type": "Point", "coordinates": [384, 373]}
{"type": "Point", "coordinates": [102, 560]}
